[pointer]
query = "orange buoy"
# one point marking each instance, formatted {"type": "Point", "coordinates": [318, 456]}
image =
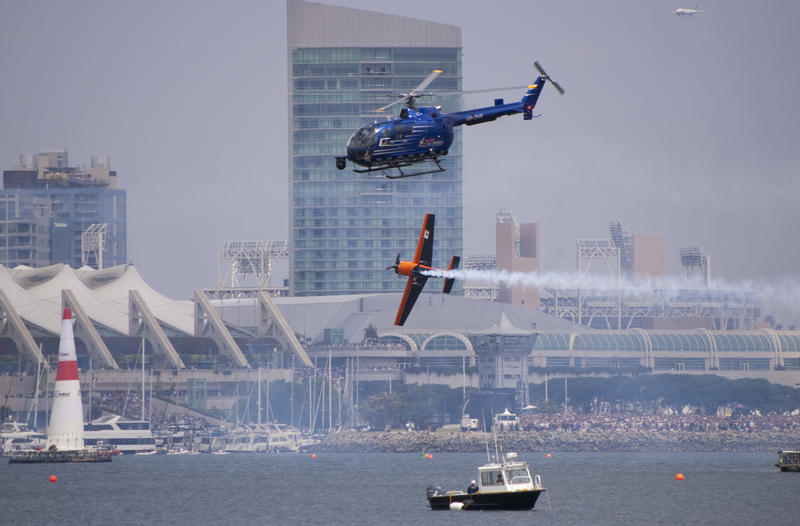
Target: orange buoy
{"type": "Point", "coordinates": [313, 455]}
{"type": "Point", "coordinates": [428, 456]}
{"type": "Point", "coordinates": [548, 455]}
{"type": "Point", "coordinates": [53, 478]}
{"type": "Point", "coordinates": [679, 476]}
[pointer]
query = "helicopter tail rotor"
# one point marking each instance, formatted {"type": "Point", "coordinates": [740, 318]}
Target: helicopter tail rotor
{"type": "Point", "coordinates": [547, 78]}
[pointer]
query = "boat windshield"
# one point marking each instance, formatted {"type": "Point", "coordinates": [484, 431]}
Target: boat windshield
{"type": "Point", "coordinates": [364, 137]}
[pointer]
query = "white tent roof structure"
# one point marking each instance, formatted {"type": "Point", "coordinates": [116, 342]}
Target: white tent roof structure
{"type": "Point", "coordinates": [112, 285]}
{"type": "Point", "coordinates": [117, 303]}
{"type": "Point", "coordinates": [46, 285]}
{"type": "Point", "coordinates": [42, 314]}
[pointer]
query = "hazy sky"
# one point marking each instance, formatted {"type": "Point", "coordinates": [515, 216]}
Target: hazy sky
{"type": "Point", "coordinates": [686, 127]}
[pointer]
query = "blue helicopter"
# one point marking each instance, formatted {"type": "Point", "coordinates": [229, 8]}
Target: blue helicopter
{"type": "Point", "coordinates": [420, 135]}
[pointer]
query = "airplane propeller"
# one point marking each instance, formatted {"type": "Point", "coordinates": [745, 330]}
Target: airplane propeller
{"type": "Point", "coordinates": [547, 78]}
{"type": "Point", "coordinates": [396, 263]}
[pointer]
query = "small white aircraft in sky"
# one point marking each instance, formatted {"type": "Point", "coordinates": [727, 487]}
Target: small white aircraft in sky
{"type": "Point", "coordinates": [686, 11]}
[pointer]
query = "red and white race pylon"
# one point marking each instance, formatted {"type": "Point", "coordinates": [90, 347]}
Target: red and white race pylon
{"type": "Point", "coordinates": [65, 431]}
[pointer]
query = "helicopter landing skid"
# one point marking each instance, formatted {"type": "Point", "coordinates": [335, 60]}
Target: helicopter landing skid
{"type": "Point", "coordinates": [400, 171]}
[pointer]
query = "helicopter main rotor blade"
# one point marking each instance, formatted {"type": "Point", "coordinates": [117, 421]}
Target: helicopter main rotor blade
{"type": "Point", "coordinates": [424, 84]}
{"type": "Point", "coordinates": [546, 77]}
{"type": "Point", "coordinates": [448, 93]}
{"type": "Point", "coordinates": [409, 97]}
{"type": "Point", "coordinates": [487, 90]}
{"type": "Point", "coordinates": [384, 108]}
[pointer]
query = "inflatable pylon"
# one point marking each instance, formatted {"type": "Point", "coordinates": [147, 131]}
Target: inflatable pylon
{"type": "Point", "coordinates": [65, 431]}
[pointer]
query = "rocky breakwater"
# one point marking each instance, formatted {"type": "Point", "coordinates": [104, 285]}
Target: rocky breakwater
{"type": "Point", "coordinates": [559, 440]}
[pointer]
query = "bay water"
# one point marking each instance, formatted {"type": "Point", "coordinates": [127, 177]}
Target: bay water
{"type": "Point", "coordinates": [390, 488]}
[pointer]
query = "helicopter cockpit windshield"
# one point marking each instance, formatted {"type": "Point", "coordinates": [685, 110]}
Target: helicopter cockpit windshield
{"type": "Point", "coordinates": [364, 137]}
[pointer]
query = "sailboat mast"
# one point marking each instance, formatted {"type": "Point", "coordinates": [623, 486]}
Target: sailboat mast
{"type": "Point", "coordinates": [150, 413]}
{"type": "Point", "coordinates": [330, 392]}
{"type": "Point", "coordinates": [36, 394]}
{"type": "Point", "coordinates": [143, 380]}
{"type": "Point", "coordinates": [91, 375]}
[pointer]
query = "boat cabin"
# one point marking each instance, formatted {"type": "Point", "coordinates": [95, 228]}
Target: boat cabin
{"type": "Point", "coordinates": [507, 476]}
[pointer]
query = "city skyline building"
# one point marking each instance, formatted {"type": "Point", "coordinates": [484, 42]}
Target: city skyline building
{"type": "Point", "coordinates": [46, 206]}
{"type": "Point", "coordinates": [345, 227]}
{"type": "Point", "coordinates": [649, 256]}
{"type": "Point", "coordinates": [517, 250]}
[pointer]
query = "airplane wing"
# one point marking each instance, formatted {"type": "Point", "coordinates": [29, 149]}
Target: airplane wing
{"type": "Point", "coordinates": [414, 286]}
{"type": "Point", "coordinates": [424, 254]}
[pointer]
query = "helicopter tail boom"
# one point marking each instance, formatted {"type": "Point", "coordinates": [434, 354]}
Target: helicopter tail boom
{"type": "Point", "coordinates": [490, 113]}
{"type": "Point", "coordinates": [525, 106]}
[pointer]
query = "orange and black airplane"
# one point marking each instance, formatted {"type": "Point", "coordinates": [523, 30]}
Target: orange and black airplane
{"type": "Point", "coordinates": [414, 270]}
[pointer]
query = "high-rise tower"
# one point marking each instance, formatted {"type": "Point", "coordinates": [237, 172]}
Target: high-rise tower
{"type": "Point", "coordinates": [345, 228]}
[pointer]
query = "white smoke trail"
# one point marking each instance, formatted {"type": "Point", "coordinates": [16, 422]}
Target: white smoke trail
{"type": "Point", "coordinates": [779, 297]}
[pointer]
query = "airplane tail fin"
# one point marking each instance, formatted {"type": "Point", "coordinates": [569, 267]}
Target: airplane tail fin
{"type": "Point", "coordinates": [448, 282]}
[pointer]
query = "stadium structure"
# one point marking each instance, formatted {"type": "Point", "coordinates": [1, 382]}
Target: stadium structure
{"type": "Point", "coordinates": [114, 310]}
{"type": "Point", "coordinates": [447, 339]}
{"type": "Point", "coordinates": [627, 258]}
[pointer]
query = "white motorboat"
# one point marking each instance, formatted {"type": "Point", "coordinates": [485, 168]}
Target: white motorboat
{"type": "Point", "coordinates": [129, 436]}
{"type": "Point", "coordinates": [17, 436]}
{"type": "Point", "coordinates": [263, 438]}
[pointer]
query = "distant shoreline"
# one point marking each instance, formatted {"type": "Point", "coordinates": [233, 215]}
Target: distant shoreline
{"type": "Point", "coordinates": [598, 440]}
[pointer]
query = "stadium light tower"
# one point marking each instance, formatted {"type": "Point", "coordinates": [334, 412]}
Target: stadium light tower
{"type": "Point", "coordinates": [696, 263]}
{"type": "Point", "coordinates": [251, 260]}
{"type": "Point", "coordinates": [93, 242]}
